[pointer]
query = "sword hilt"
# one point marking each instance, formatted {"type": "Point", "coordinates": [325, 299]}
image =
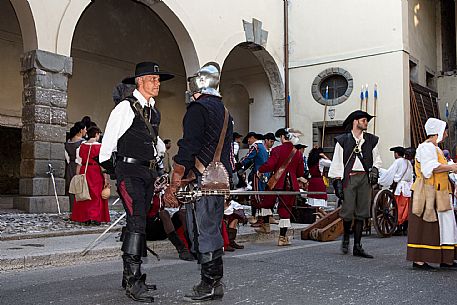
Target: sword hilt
{"type": "Point", "coordinates": [51, 170]}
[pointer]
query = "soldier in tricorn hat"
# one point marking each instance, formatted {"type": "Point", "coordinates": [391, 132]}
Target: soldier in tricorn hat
{"type": "Point", "coordinates": [355, 167]}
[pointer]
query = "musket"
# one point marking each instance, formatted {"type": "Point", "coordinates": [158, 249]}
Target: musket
{"type": "Point", "coordinates": [187, 196]}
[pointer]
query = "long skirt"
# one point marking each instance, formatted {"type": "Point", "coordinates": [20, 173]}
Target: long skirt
{"type": "Point", "coordinates": [403, 207]}
{"type": "Point", "coordinates": [424, 242]}
{"type": "Point", "coordinates": [95, 209]}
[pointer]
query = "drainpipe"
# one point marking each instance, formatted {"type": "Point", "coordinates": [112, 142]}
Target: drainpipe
{"type": "Point", "coordinates": [286, 62]}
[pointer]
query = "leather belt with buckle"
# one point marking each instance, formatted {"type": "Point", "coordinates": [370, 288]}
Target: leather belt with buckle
{"type": "Point", "coordinates": [148, 163]}
{"type": "Point", "coordinates": [356, 173]}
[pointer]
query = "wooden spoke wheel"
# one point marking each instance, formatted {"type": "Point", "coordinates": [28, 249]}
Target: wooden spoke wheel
{"type": "Point", "coordinates": [384, 213]}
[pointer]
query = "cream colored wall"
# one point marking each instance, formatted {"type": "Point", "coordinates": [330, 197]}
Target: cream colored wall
{"type": "Point", "coordinates": [10, 77]}
{"type": "Point", "coordinates": [392, 123]}
{"type": "Point", "coordinates": [367, 39]}
{"type": "Point", "coordinates": [422, 23]}
{"type": "Point", "coordinates": [327, 30]}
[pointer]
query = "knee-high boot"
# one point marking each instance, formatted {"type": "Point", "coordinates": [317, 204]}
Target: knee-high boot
{"type": "Point", "coordinates": [210, 287]}
{"type": "Point", "coordinates": [232, 236]}
{"type": "Point", "coordinates": [183, 253]}
{"type": "Point", "coordinates": [358, 250]}
{"type": "Point", "coordinates": [347, 231]}
{"type": "Point", "coordinates": [134, 280]}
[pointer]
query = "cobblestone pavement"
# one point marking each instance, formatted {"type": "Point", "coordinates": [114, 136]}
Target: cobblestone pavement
{"type": "Point", "coordinates": [22, 223]}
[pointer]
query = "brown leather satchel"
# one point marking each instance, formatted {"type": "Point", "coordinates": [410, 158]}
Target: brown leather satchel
{"type": "Point", "coordinates": [274, 179]}
{"type": "Point", "coordinates": [215, 175]}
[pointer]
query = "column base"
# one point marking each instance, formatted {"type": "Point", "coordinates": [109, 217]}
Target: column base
{"type": "Point", "coordinates": [41, 204]}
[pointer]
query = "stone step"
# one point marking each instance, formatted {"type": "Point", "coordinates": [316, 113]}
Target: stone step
{"type": "Point", "coordinates": [6, 202]}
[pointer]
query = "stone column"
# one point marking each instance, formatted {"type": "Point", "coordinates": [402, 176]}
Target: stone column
{"type": "Point", "coordinates": [44, 119]}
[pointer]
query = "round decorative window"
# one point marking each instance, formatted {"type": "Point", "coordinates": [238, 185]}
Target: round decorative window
{"type": "Point", "coordinates": [332, 86]}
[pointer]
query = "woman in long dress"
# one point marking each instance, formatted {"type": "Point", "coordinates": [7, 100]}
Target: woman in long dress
{"type": "Point", "coordinates": [432, 237]}
{"type": "Point", "coordinates": [95, 210]}
{"type": "Point", "coordinates": [317, 160]}
{"type": "Point", "coordinates": [77, 133]}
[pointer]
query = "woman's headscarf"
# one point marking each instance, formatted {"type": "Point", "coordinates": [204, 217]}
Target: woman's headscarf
{"type": "Point", "coordinates": [435, 127]}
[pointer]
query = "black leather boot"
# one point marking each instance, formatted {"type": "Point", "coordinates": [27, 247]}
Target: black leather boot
{"type": "Point", "coordinates": [183, 253]}
{"type": "Point", "coordinates": [210, 287]}
{"type": "Point", "coordinates": [358, 250]}
{"type": "Point", "coordinates": [347, 231]}
{"type": "Point", "coordinates": [134, 281]}
{"type": "Point", "coordinates": [232, 236]}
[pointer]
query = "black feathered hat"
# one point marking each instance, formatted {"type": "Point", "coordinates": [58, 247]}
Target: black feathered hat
{"type": "Point", "coordinates": [147, 68]}
{"type": "Point", "coordinates": [356, 115]}
{"type": "Point", "coordinates": [256, 135]}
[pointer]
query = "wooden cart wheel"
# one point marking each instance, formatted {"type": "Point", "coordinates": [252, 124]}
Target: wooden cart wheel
{"type": "Point", "coordinates": [384, 213]}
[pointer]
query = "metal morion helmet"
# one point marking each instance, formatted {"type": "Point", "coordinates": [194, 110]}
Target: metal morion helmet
{"type": "Point", "coordinates": [206, 80]}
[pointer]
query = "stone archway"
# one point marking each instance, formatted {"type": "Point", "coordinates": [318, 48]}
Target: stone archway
{"type": "Point", "coordinates": [250, 65]}
{"type": "Point", "coordinates": [105, 48]}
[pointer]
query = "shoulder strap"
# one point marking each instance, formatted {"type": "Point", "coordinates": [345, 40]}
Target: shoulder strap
{"type": "Point", "coordinates": [87, 161]}
{"type": "Point", "coordinates": [274, 179]}
{"type": "Point", "coordinates": [139, 110]}
{"type": "Point", "coordinates": [217, 154]}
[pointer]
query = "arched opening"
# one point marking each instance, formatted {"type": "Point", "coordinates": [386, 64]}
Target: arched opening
{"type": "Point", "coordinates": [110, 38]}
{"type": "Point", "coordinates": [11, 48]}
{"type": "Point", "coordinates": [250, 69]}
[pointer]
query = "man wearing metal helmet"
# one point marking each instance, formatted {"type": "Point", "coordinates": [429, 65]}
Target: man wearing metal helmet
{"type": "Point", "coordinates": [355, 167]}
{"type": "Point", "coordinates": [203, 127]}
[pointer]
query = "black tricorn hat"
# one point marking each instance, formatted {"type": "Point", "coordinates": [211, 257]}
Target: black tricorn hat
{"type": "Point", "coordinates": [147, 68]}
{"type": "Point", "coordinates": [269, 136]}
{"type": "Point", "coordinates": [300, 146]}
{"type": "Point", "coordinates": [356, 115]}
{"type": "Point", "coordinates": [398, 149]}
{"type": "Point", "coordinates": [256, 135]}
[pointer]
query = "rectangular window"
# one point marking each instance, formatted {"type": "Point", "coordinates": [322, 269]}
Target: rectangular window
{"type": "Point", "coordinates": [413, 72]}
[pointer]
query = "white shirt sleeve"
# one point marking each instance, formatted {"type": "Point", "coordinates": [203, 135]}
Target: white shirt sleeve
{"type": "Point", "coordinates": [377, 162]}
{"type": "Point", "coordinates": [428, 158]}
{"type": "Point", "coordinates": [337, 167]}
{"type": "Point", "coordinates": [67, 157]}
{"type": "Point", "coordinates": [78, 159]}
{"type": "Point", "coordinates": [324, 163]}
{"type": "Point", "coordinates": [386, 177]}
{"type": "Point", "coordinates": [119, 121]}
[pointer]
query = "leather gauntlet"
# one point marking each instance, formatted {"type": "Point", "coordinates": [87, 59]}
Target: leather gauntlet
{"type": "Point", "coordinates": [176, 179]}
{"type": "Point", "coordinates": [338, 186]}
{"type": "Point", "coordinates": [373, 176]}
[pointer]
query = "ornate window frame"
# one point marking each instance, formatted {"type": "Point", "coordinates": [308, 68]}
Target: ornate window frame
{"type": "Point", "coordinates": [315, 88]}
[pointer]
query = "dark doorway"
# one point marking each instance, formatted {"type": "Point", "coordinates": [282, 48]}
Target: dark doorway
{"type": "Point", "coordinates": [10, 156]}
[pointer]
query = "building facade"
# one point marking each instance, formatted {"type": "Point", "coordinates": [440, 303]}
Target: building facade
{"type": "Point", "coordinates": [61, 60]}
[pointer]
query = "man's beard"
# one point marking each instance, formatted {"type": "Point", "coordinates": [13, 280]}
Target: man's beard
{"type": "Point", "coordinates": [361, 127]}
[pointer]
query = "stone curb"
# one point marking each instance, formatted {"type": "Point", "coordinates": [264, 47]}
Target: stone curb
{"type": "Point", "coordinates": [58, 233]}
{"type": "Point", "coordinates": [73, 256]}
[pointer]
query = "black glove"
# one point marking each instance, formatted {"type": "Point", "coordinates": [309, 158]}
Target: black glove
{"type": "Point", "coordinates": [338, 186]}
{"type": "Point", "coordinates": [108, 166]}
{"type": "Point", "coordinates": [238, 166]}
{"type": "Point", "coordinates": [373, 176]}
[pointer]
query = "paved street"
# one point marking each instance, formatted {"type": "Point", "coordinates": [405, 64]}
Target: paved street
{"type": "Point", "coordinates": [305, 273]}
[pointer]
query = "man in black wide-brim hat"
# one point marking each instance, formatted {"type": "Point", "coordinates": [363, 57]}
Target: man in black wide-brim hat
{"type": "Point", "coordinates": [132, 131]}
{"type": "Point", "coordinates": [355, 167]}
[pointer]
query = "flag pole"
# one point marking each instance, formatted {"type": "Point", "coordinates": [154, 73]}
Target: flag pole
{"type": "Point", "coordinates": [375, 101]}
{"type": "Point", "coordinates": [366, 98]}
{"type": "Point", "coordinates": [325, 116]}
{"type": "Point", "coordinates": [361, 98]}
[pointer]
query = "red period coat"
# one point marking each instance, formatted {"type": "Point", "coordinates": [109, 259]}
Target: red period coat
{"type": "Point", "coordinates": [278, 156]}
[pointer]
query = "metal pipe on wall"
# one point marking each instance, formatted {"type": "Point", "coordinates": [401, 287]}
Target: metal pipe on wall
{"type": "Point", "coordinates": [286, 62]}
